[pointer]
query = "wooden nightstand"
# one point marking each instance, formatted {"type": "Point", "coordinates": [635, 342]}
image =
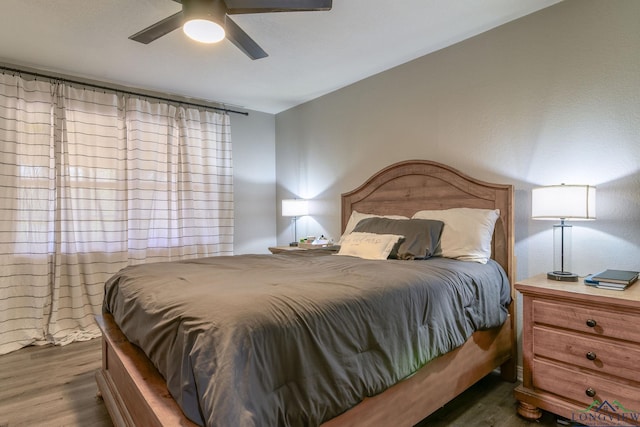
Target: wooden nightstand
{"type": "Point", "coordinates": [281, 249]}
{"type": "Point", "coordinates": [580, 345]}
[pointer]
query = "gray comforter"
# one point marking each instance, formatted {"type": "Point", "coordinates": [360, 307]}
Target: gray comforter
{"type": "Point", "coordinates": [296, 339]}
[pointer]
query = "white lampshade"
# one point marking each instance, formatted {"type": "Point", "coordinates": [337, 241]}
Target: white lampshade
{"type": "Point", "coordinates": [574, 202]}
{"type": "Point", "coordinates": [295, 207]}
{"type": "Point", "coordinates": [203, 30]}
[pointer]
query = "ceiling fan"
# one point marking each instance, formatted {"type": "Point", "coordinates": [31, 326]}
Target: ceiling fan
{"type": "Point", "coordinates": [208, 20]}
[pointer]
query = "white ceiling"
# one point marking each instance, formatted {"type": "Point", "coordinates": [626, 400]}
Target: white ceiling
{"type": "Point", "coordinates": [310, 53]}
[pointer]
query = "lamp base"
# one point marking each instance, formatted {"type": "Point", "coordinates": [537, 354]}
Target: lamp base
{"type": "Point", "coordinates": [562, 276]}
{"type": "Point", "coordinates": [292, 244]}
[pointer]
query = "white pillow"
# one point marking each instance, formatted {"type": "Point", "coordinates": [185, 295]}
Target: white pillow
{"type": "Point", "coordinates": [356, 217]}
{"type": "Point", "coordinates": [368, 245]}
{"type": "Point", "coordinates": [467, 232]}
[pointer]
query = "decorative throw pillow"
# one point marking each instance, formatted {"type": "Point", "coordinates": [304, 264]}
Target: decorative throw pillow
{"type": "Point", "coordinates": [467, 232]}
{"type": "Point", "coordinates": [421, 236]}
{"type": "Point", "coordinates": [368, 245]}
{"type": "Point", "coordinates": [356, 217]}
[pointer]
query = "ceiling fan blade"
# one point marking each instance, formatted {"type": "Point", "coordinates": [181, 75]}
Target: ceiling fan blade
{"type": "Point", "coordinates": [265, 6]}
{"type": "Point", "coordinates": [159, 29]}
{"type": "Point", "coordinates": [242, 40]}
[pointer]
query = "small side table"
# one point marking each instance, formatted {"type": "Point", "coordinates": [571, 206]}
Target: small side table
{"type": "Point", "coordinates": [281, 249]}
{"type": "Point", "coordinates": [581, 347]}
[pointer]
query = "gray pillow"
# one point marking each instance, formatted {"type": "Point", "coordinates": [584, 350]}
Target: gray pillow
{"type": "Point", "coordinates": [421, 236]}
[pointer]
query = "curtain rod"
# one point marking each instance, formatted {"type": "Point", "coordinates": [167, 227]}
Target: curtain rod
{"type": "Point", "coordinates": [127, 92]}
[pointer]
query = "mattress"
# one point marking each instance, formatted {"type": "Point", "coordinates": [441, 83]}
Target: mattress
{"type": "Point", "coordinates": [297, 338]}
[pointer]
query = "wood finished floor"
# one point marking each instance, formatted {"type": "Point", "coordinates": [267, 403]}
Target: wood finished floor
{"type": "Point", "coordinates": [55, 386]}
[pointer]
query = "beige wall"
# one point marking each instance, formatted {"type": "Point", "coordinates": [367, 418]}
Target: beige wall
{"type": "Point", "coordinates": [552, 97]}
{"type": "Point", "coordinates": [254, 175]}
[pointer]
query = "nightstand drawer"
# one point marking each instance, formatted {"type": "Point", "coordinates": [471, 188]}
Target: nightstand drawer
{"type": "Point", "coordinates": [603, 356]}
{"type": "Point", "coordinates": [574, 385]}
{"type": "Point", "coordinates": [588, 320]}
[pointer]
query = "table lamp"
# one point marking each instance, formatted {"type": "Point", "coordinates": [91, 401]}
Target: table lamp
{"type": "Point", "coordinates": [295, 208]}
{"type": "Point", "coordinates": [563, 202]}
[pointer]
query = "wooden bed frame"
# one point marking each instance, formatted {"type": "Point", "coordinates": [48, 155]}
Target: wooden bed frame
{"type": "Point", "coordinates": [135, 393]}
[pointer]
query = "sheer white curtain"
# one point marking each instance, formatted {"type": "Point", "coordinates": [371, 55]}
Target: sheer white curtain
{"type": "Point", "coordinates": [93, 182]}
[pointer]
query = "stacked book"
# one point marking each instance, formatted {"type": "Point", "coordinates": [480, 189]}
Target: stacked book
{"type": "Point", "coordinates": [617, 280]}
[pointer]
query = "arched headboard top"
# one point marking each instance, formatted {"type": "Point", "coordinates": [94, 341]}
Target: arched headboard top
{"type": "Point", "coordinates": [407, 187]}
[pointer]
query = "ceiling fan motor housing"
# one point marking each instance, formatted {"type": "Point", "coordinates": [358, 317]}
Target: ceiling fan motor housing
{"type": "Point", "coordinates": [211, 10]}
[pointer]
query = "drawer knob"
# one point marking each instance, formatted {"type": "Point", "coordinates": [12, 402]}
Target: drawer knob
{"type": "Point", "coordinates": [590, 392]}
{"type": "Point", "coordinates": [591, 323]}
{"type": "Point", "coordinates": [591, 355]}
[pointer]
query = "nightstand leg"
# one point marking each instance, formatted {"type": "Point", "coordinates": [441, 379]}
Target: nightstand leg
{"type": "Point", "coordinates": [528, 411]}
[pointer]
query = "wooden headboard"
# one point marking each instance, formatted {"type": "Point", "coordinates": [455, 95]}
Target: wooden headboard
{"type": "Point", "coordinates": [410, 186]}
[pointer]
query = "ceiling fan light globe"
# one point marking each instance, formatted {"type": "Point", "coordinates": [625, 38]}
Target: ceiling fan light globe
{"type": "Point", "coordinates": [203, 31]}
